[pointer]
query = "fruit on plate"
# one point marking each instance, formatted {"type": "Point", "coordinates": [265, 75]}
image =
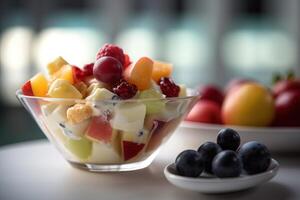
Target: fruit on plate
{"type": "Point", "coordinates": [161, 69]}
{"type": "Point", "coordinates": [152, 106]}
{"type": "Point", "coordinates": [255, 157]}
{"type": "Point", "coordinates": [208, 151]}
{"type": "Point", "coordinates": [129, 116]}
{"type": "Point", "coordinates": [235, 84]}
{"type": "Point", "coordinates": [249, 105]}
{"type": "Point", "coordinates": [212, 93]}
{"type": "Point", "coordinates": [228, 139]}
{"type": "Point", "coordinates": [81, 148]}
{"type": "Point", "coordinates": [227, 164]}
{"type": "Point", "coordinates": [189, 163]}
{"type": "Point", "coordinates": [140, 73]}
{"type": "Point", "coordinates": [205, 111]}
{"type": "Point", "coordinates": [287, 106]}
{"type": "Point", "coordinates": [285, 85]}
{"type": "Point", "coordinates": [36, 86]}
{"type": "Point", "coordinates": [61, 88]}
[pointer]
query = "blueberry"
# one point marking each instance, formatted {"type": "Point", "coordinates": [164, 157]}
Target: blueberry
{"type": "Point", "coordinates": [228, 139]}
{"type": "Point", "coordinates": [208, 151]}
{"type": "Point", "coordinates": [227, 164]}
{"type": "Point", "coordinates": [255, 157]}
{"type": "Point", "coordinates": [189, 163]}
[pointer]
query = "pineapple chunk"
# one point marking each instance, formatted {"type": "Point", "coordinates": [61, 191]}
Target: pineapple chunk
{"type": "Point", "coordinates": [55, 65]}
{"type": "Point", "coordinates": [63, 89]}
{"type": "Point", "coordinates": [182, 92]}
{"type": "Point", "coordinates": [39, 85]}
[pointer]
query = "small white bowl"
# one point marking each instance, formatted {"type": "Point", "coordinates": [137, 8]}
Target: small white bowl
{"type": "Point", "coordinates": [213, 185]}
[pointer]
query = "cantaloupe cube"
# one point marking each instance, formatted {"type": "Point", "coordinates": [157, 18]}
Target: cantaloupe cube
{"type": "Point", "coordinates": [161, 69]}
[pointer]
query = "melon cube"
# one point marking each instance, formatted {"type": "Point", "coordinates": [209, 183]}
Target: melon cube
{"type": "Point", "coordinates": [63, 89]}
{"type": "Point", "coordinates": [104, 153]}
{"type": "Point", "coordinates": [56, 65]}
{"type": "Point", "coordinates": [81, 148]}
{"type": "Point", "coordinates": [161, 69]}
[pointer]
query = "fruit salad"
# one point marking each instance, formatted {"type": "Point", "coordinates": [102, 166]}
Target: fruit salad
{"type": "Point", "coordinates": [110, 111]}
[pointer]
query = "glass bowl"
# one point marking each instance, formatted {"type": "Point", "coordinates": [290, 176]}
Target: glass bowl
{"type": "Point", "coordinates": [108, 135]}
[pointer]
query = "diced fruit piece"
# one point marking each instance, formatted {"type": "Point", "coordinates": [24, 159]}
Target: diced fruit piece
{"type": "Point", "coordinates": [255, 157]}
{"type": "Point", "coordinates": [100, 94]}
{"type": "Point", "coordinates": [140, 73]}
{"type": "Point", "coordinates": [82, 88]}
{"type": "Point", "coordinates": [208, 151]}
{"type": "Point", "coordinates": [160, 131]}
{"type": "Point", "coordinates": [211, 93]}
{"type": "Point", "coordinates": [189, 163]}
{"type": "Point", "coordinates": [79, 113]}
{"type": "Point", "coordinates": [137, 137]}
{"type": "Point", "coordinates": [100, 130]}
{"type": "Point", "coordinates": [182, 91]}
{"type": "Point", "coordinates": [249, 105]}
{"type": "Point", "coordinates": [161, 69]}
{"type": "Point", "coordinates": [227, 164]}
{"type": "Point", "coordinates": [39, 85]}
{"type": "Point", "coordinates": [88, 69]}
{"type": "Point", "coordinates": [172, 110]}
{"type": "Point", "coordinates": [26, 89]}
{"type": "Point", "coordinates": [78, 74]}
{"type": "Point", "coordinates": [131, 149]}
{"type": "Point", "coordinates": [206, 112]}
{"type": "Point", "coordinates": [287, 105]}
{"type": "Point", "coordinates": [228, 139]}
{"type": "Point", "coordinates": [81, 148]}
{"type": "Point", "coordinates": [108, 70]}
{"type": "Point", "coordinates": [63, 89]}
{"type": "Point", "coordinates": [125, 90]}
{"type": "Point", "coordinates": [93, 86]}
{"type": "Point", "coordinates": [168, 87]}
{"type": "Point", "coordinates": [74, 131]}
{"type": "Point", "coordinates": [55, 65]}
{"type": "Point", "coordinates": [129, 116]}
{"type": "Point", "coordinates": [152, 106]}
{"type": "Point", "coordinates": [104, 153]}
{"type": "Point", "coordinates": [65, 73]}
{"type": "Point", "coordinates": [113, 51]}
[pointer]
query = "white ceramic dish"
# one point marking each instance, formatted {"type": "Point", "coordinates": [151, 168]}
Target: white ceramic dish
{"type": "Point", "coordinates": [277, 139]}
{"type": "Point", "coordinates": [212, 185]}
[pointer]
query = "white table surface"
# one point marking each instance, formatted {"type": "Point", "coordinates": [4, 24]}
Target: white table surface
{"type": "Point", "coordinates": [35, 170]}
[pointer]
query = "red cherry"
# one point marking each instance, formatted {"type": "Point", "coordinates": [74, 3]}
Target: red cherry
{"type": "Point", "coordinates": [108, 70]}
{"type": "Point", "coordinates": [26, 89]}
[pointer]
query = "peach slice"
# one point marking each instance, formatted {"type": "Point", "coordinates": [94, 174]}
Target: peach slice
{"type": "Point", "coordinates": [161, 69]}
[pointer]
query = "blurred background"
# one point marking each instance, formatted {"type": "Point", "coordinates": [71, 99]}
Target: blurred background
{"type": "Point", "coordinates": [208, 41]}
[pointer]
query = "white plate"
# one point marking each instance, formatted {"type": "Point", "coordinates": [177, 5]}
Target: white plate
{"type": "Point", "coordinates": [277, 139]}
{"type": "Point", "coordinates": [213, 185]}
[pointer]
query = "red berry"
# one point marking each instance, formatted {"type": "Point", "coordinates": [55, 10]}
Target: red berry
{"type": "Point", "coordinates": [26, 89]}
{"type": "Point", "coordinates": [168, 87]}
{"type": "Point", "coordinates": [108, 70]}
{"type": "Point", "coordinates": [125, 90]}
{"type": "Point", "coordinates": [88, 69]}
{"type": "Point", "coordinates": [127, 61]}
{"type": "Point", "coordinates": [113, 51]}
{"type": "Point", "coordinates": [78, 74]}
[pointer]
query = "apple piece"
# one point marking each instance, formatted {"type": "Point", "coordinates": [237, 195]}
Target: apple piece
{"type": "Point", "coordinates": [205, 111]}
{"type": "Point", "coordinates": [128, 116]}
{"type": "Point", "coordinates": [161, 69]}
{"type": "Point", "coordinates": [39, 85]}
{"type": "Point", "coordinates": [104, 153]}
{"type": "Point", "coordinates": [152, 106]}
{"type": "Point", "coordinates": [26, 89]}
{"type": "Point", "coordinates": [63, 89]}
{"type": "Point", "coordinates": [212, 93]}
{"type": "Point", "coordinates": [140, 73]}
{"type": "Point", "coordinates": [287, 106]}
{"type": "Point", "coordinates": [56, 65]}
{"type": "Point", "coordinates": [81, 148]}
{"type": "Point", "coordinates": [131, 149]}
{"type": "Point", "coordinates": [136, 137]}
{"type": "Point", "coordinates": [182, 91]}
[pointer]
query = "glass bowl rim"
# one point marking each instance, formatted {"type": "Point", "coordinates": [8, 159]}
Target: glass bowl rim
{"type": "Point", "coordinates": [195, 94]}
